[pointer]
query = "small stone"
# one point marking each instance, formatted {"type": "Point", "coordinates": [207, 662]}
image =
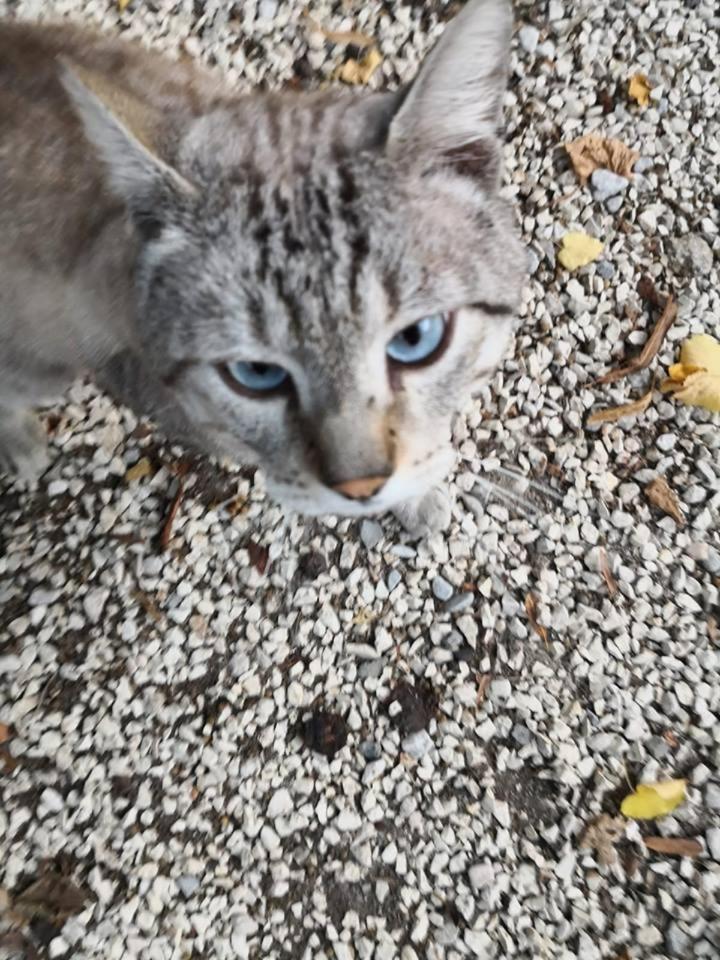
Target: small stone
{"type": "Point", "coordinates": [606, 184]}
{"type": "Point", "coordinates": [58, 947]}
{"type": "Point", "coordinates": [441, 589]}
{"type": "Point", "coordinates": [187, 885]}
{"type": "Point", "coordinates": [712, 839]}
{"type": "Point", "coordinates": [500, 689]}
{"type": "Point", "coordinates": [371, 533]}
{"type": "Point", "coordinates": [679, 943]}
{"type": "Point", "coordinates": [613, 204]}
{"type": "Point", "coordinates": [370, 750]}
{"type": "Point", "coordinates": [529, 37]}
{"type": "Point", "coordinates": [481, 875]}
{"type": "Point", "coordinates": [691, 256]}
{"type": "Point", "coordinates": [712, 796]}
{"type": "Point", "coordinates": [52, 800]}
{"type": "Point", "coordinates": [643, 165]}
{"type": "Point", "coordinates": [417, 744]}
{"type": "Point", "coordinates": [94, 603]}
{"type": "Point", "coordinates": [605, 270]}
{"type": "Point", "coordinates": [348, 821]}
{"type": "Point", "coordinates": [280, 804]}
{"type": "Point", "coordinates": [648, 221]}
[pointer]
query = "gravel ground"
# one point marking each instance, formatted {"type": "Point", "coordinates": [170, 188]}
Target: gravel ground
{"type": "Point", "coordinates": [276, 738]}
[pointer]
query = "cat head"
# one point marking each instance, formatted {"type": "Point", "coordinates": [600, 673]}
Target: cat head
{"type": "Point", "coordinates": [325, 279]}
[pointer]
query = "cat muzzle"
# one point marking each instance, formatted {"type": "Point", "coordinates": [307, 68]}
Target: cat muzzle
{"type": "Point", "coordinates": [362, 488]}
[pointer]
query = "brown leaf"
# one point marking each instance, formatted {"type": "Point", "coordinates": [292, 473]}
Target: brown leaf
{"type": "Point", "coordinates": [531, 609]}
{"type": "Point", "coordinates": [138, 471]}
{"type": "Point", "coordinates": [484, 681]}
{"type": "Point", "coordinates": [713, 630]}
{"type": "Point", "coordinates": [612, 414]}
{"type": "Point", "coordinates": [52, 897]}
{"type": "Point", "coordinates": [325, 733]}
{"type": "Point", "coordinates": [148, 605]}
{"type": "Point", "coordinates": [648, 291]}
{"type": "Point", "coordinates": [670, 739]}
{"type": "Point", "coordinates": [649, 351]}
{"type": "Point", "coordinates": [259, 556]}
{"type": "Point", "coordinates": [4, 733]}
{"type": "Point", "coordinates": [661, 495]}
{"type": "Point", "coordinates": [601, 835]}
{"type": "Point", "coordinates": [593, 152]}
{"type": "Point", "coordinates": [607, 574]}
{"type": "Point", "coordinates": [167, 528]}
{"type": "Point", "coordinates": [674, 846]}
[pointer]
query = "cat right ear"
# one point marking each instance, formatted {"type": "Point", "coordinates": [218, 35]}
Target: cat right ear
{"type": "Point", "coordinates": [121, 128]}
{"type": "Point", "coordinates": [452, 110]}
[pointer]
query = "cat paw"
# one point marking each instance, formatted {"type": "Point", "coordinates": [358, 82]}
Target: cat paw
{"type": "Point", "coordinates": [426, 515]}
{"type": "Point", "coordinates": [24, 450]}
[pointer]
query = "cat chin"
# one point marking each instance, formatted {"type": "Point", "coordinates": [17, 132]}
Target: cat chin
{"type": "Point", "coordinates": [400, 489]}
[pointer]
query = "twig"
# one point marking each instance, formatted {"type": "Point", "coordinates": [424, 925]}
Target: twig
{"type": "Point", "coordinates": [167, 529]}
{"type": "Point", "coordinates": [649, 351]}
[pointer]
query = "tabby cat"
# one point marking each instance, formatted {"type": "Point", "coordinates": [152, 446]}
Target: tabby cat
{"type": "Point", "coordinates": [313, 283]}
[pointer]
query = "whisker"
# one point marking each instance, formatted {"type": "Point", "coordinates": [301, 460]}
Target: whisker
{"type": "Point", "coordinates": [541, 488]}
{"type": "Point", "coordinates": [512, 499]}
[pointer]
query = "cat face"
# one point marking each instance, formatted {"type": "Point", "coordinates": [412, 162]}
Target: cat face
{"type": "Point", "coordinates": [324, 280]}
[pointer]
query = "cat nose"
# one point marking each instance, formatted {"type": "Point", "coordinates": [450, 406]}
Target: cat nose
{"type": "Point", "coordinates": [361, 488]}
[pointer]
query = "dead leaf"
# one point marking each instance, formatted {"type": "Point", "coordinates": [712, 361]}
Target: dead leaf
{"type": "Point", "coordinates": [16, 942]}
{"type": "Point", "coordinates": [652, 800]}
{"type": "Point", "coordinates": [484, 681]}
{"type": "Point", "coordinates": [578, 250]}
{"type": "Point", "coordinates": [607, 574]}
{"type": "Point", "coordinates": [143, 468]}
{"type": "Point", "coordinates": [674, 846]}
{"type": "Point", "coordinates": [660, 494]}
{"type": "Point", "coordinates": [612, 414]}
{"type": "Point", "coordinates": [52, 897]}
{"type": "Point", "coordinates": [4, 733]}
{"type": "Point", "coordinates": [259, 556]}
{"type": "Point", "coordinates": [639, 89]}
{"type": "Point", "coordinates": [148, 605]}
{"type": "Point", "coordinates": [593, 152]}
{"type": "Point", "coordinates": [648, 291]}
{"type": "Point", "coordinates": [167, 528]}
{"type": "Point", "coordinates": [713, 630]}
{"type": "Point", "coordinates": [122, 5]}
{"type": "Point", "coordinates": [359, 72]}
{"type": "Point", "coordinates": [670, 739]}
{"type": "Point", "coordinates": [601, 835]}
{"type": "Point", "coordinates": [652, 345]}
{"type": "Point", "coordinates": [531, 609]}
{"type": "Point", "coordinates": [695, 380]}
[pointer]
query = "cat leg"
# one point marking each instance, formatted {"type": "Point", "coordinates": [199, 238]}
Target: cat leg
{"type": "Point", "coordinates": [23, 443]}
{"type": "Point", "coordinates": [425, 515]}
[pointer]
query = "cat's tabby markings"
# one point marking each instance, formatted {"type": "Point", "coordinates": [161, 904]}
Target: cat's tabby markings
{"type": "Point", "coordinates": [313, 283]}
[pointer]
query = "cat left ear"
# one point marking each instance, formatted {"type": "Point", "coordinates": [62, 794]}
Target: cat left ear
{"type": "Point", "coordinates": [452, 110]}
{"type": "Point", "coordinates": [122, 129]}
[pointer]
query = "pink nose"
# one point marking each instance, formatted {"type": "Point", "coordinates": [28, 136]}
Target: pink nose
{"type": "Point", "coordinates": [362, 488]}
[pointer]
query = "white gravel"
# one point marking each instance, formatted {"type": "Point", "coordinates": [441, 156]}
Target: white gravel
{"type": "Point", "coordinates": [289, 739]}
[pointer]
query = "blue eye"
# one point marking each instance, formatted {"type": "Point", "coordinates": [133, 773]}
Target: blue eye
{"type": "Point", "coordinates": [257, 377]}
{"type": "Point", "coordinates": [418, 342]}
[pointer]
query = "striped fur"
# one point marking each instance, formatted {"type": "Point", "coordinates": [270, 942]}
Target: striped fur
{"type": "Point", "coordinates": [302, 230]}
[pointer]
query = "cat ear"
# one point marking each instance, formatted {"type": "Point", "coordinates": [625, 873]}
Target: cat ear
{"type": "Point", "coordinates": [122, 128]}
{"type": "Point", "coordinates": [452, 110]}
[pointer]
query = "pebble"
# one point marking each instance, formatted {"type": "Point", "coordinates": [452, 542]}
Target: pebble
{"type": "Point", "coordinates": [417, 744]}
{"type": "Point", "coordinates": [529, 37]}
{"type": "Point", "coordinates": [712, 838]}
{"type": "Point", "coordinates": [606, 184]}
{"type": "Point", "coordinates": [441, 589]}
{"type": "Point", "coordinates": [481, 875]}
{"type": "Point", "coordinates": [371, 533]}
{"type": "Point", "coordinates": [692, 255]}
{"type": "Point", "coordinates": [712, 796]}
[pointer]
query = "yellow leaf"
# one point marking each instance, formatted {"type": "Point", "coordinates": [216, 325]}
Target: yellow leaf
{"type": "Point", "coordinates": [639, 89]}
{"type": "Point", "coordinates": [578, 250]}
{"type": "Point", "coordinates": [360, 71]}
{"type": "Point", "coordinates": [652, 800]}
{"type": "Point", "coordinates": [696, 378]}
{"type": "Point", "coordinates": [123, 5]}
{"type": "Point", "coordinates": [143, 468]}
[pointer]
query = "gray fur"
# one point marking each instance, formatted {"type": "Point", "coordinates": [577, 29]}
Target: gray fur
{"type": "Point", "coordinates": [154, 226]}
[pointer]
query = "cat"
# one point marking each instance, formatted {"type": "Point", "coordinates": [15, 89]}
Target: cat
{"type": "Point", "coordinates": [311, 283]}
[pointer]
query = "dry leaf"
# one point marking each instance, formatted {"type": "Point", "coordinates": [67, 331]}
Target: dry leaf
{"type": "Point", "coordinates": [531, 608]}
{"type": "Point", "coordinates": [652, 800]}
{"type": "Point", "coordinates": [52, 897]}
{"type": "Point", "coordinates": [601, 835]}
{"type": "Point", "coordinates": [484, 681]}
{"type": "Point", "coordinates": [649, 351]}
{"type": "Point", "coordinates": [674, 846]}
{"type": "Point", "coordinates": [593, 152]}
{"type": "Point", "coordinates": [612, 414]}
{"type": "Point", "coordinates": [639, 89]}
{"type": "Point", "coordinates": [4, 733]}
{"type": "Point", "coordinates": [696, 378]}
{"type": "Point", "coordinates": [607, 574]}
{"type": "Point", "coordinates": [359, 72]}
{"type": "Point", "coordinates": [670, 739]}
{"type": "Point", "coordinates": [354, 37]}
{"type": "Point", "coordinates": [167, 528]}
{"type": "Point", "coordinates": [259, 556]}
{"type": "Point", "coordinates": [660, 493]}
{"type": "Point", "coordinates": [138, 471]}
{"type": "Point", "coordinates": [578, 250]}
{"type": "Point", "coordinates": [122, 5]}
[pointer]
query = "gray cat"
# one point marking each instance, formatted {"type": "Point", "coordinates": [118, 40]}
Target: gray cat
{"type": "Point", "coordinates": [311, 283]}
